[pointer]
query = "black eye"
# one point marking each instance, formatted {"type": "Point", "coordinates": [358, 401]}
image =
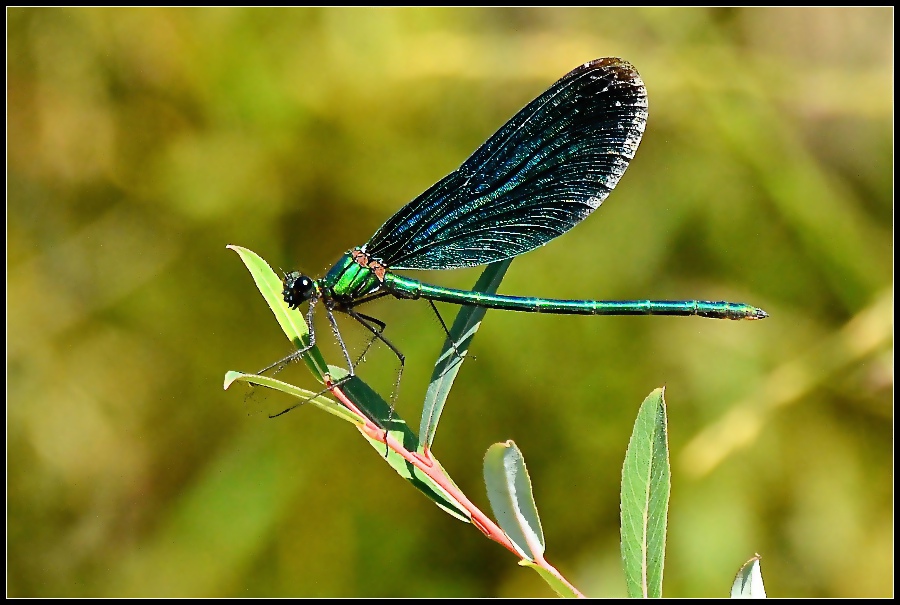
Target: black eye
{"type": "Point", "coordinates": [298, 289]}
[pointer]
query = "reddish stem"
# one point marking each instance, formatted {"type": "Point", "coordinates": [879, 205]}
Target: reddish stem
{"type": "Point", "coordinates": [431, 470]}
{"type": "Point", "coordinates": [425, 463]}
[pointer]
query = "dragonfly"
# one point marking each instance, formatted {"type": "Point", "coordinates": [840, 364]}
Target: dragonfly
{"type": "Point", "coordinates": [548, 168]}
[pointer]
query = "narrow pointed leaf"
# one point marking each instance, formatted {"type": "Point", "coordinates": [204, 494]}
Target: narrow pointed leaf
{"type": "Point", "coordinates": [320, 401]}
{"type": "Point", "coordinates": [645, 499]}
{"type": "Point", "coordinates": [449, 362]}
{"type": "Point", "coordinates": [291, 322]}
{"type": "Point", "coordinates": [375, 407]}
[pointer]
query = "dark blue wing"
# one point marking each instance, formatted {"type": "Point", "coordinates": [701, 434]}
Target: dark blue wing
{"type": "Point", "coordinates": [542, 173]}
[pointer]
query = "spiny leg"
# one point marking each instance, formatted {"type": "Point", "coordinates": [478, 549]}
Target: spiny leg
{"type": "Point", "coordinates": [340, 339]}
{"type": "Point", "coordinates": [376, 335]}
{"type": "Point", "coordinates": [296, 405]}
{"type": "Point", "coordinates": [446, 331]}
{"type": "Point", "coordinates": [296, 355]}
{"type": "Point", "coordinates": [337, 334]}
{"type": "Point", "coordinates": [364, 319]}
{"type": "Point", "coordinates": [381, 326]}
{"type": "Point", "coordinates": [333, 384]}
{"type": "Point", "coordinates": [282, 363]}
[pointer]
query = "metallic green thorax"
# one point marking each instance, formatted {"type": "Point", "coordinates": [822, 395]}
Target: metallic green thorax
{"type": "Point", "coordinates": [348, 280]}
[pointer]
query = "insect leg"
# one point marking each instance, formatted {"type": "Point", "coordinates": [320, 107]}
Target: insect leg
{"type": "Point", "coordinates": [281, 363]}
{"type": "Point", "coordinates": [446, 331]}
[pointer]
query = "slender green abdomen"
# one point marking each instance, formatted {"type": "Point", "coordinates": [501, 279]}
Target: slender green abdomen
{"type": "Point", "coordinates": [410, 288]}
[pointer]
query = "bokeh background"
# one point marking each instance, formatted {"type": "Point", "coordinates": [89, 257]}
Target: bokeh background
{"type": "Point", "coordinates": [142, 141]}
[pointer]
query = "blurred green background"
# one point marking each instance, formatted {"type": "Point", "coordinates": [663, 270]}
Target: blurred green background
{"type": "Point", "coordinates": [142, 141]}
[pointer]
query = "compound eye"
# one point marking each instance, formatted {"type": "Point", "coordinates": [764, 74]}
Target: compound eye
{"type": "Point", "coordinates": [298, 289]}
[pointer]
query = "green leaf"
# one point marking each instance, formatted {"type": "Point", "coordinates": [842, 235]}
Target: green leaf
{"type": "Point", "coordinates": [320, 401]}
{"type": "Point", "coordinates": [291, 321]}
{"type": "Point", "coordinates": [645, 499]}
{"type": "Point", "coordinates": [748, 584]}
{"type": "Point", "coordinates": [377, 409]}
{"type": "Point", "coordinates": [366, 399]}
{"type": "Point", "coordinates": [374, 406]}
{"type": "Point", "coordinates": [509, 492]}
{"type": "Point", "coordinates": [449, 362]}
{"type": "Point", "coordinates": [561, 588]}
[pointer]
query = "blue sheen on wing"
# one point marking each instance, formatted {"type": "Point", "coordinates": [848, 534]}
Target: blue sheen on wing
{"type": "Point", "coordinates": [541, 174]}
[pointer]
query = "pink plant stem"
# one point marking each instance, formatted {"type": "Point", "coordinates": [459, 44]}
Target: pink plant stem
{"type": "Point", "coordinates": [425, 463]}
